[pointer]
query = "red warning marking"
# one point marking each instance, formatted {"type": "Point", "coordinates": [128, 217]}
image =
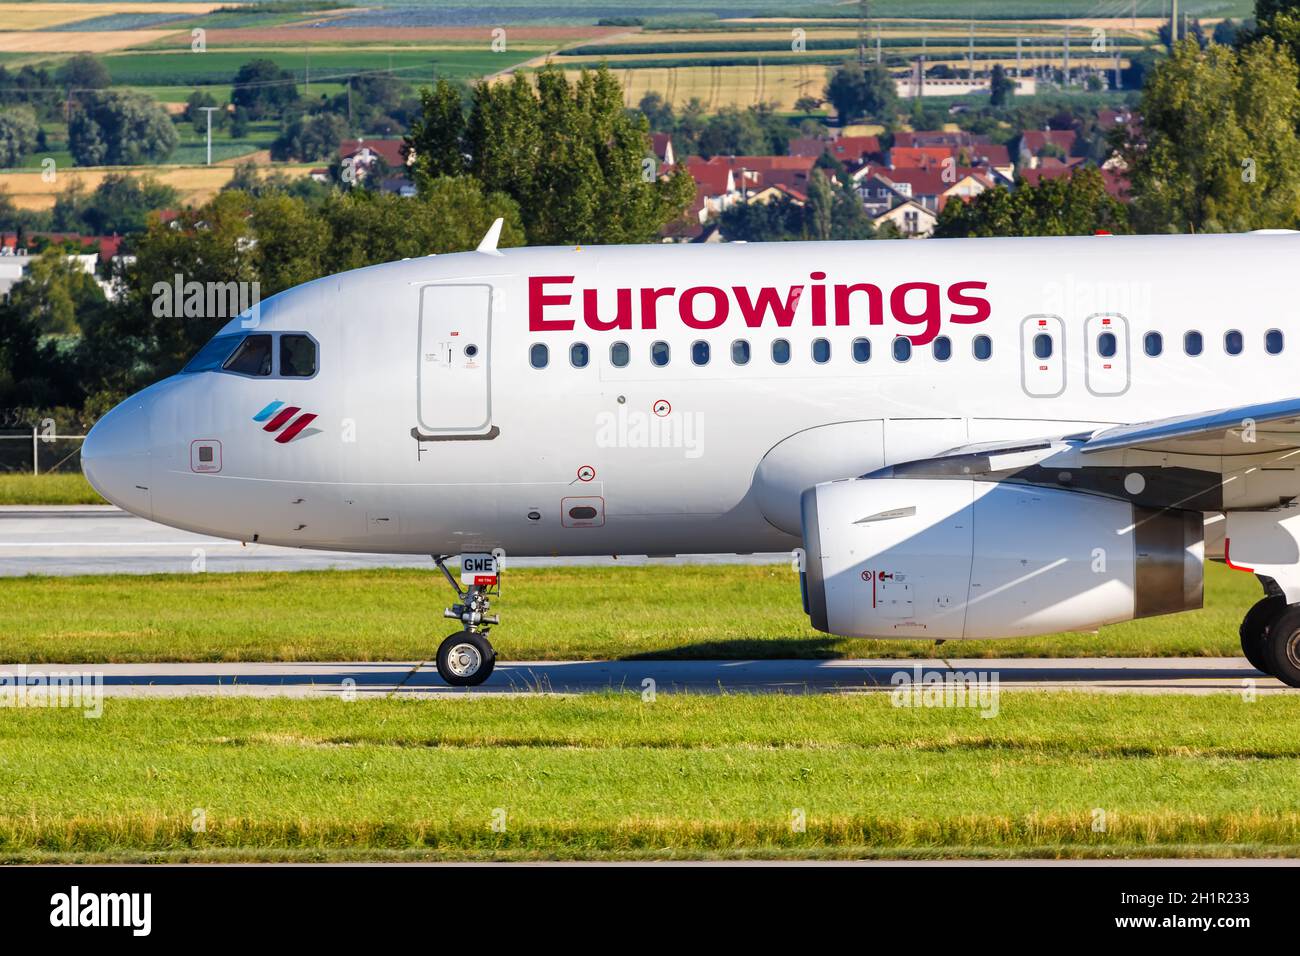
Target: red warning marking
{"type": "Point", "coordinates": [485, 580]}
{"type": "Point", "coordinates": [663, 407]}
{"type": "Point", "coordinates": [586, 473]}
{"type": "Point", "coordinates": [1227, 544]}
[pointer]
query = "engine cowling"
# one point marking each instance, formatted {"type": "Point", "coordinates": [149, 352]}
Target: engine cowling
{"type": "Point", "coordinates": [955, 558]}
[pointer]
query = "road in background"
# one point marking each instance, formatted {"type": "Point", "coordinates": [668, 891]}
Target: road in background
{"type": "Point", "coordinates": [88, 539]}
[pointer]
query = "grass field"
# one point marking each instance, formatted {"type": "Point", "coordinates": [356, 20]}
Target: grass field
{"type": "Point", "coordinates": [549, 614]}
{"type": "Point", "coordinates": [196, 184]}
{"type": "Point", "coordinates": [683, 776]}
{"type": "Point", "coordinates": [70, 488]}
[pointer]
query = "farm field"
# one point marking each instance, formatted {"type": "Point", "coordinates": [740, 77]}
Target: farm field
{"type": "Point", "coordinates": [196, 183]}
{"type": "Point", "coordinates": [43, 16]}
{"type": "Point", "coordinates": [612, 776]}
{"type": "Point", "coordinates": [562, 613]}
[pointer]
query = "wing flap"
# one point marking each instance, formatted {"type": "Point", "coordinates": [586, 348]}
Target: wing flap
{"type": "Point", "coordinates": [1243, 430]}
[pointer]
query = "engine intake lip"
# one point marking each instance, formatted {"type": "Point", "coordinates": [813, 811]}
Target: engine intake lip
{"type": "Point", "coordinates": [814, 584]}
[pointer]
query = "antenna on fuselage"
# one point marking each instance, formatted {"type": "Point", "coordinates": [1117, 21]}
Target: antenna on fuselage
{"type": "Point", "coordinates": [489, 243]}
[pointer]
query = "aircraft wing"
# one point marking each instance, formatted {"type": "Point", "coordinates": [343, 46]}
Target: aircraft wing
{"type": "Point", "coordinates": [1244, 430]}
{"type": "Point", "coordinates": [1245, 458]}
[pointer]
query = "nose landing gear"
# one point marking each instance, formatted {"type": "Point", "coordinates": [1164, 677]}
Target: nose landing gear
{"type": "Point", "coordinates": [467, 658]}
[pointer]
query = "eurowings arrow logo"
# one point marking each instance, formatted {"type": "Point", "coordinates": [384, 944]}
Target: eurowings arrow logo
{"type": "Point", "coordinates": [280, 418]}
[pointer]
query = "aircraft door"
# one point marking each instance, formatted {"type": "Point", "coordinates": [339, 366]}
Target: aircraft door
{"type": "Point", "coordinates": [453, 377]}
{"type": "Point", "coordinates": [1105, 354]}
{"type": "Point", "coordinates": [1042, 356]}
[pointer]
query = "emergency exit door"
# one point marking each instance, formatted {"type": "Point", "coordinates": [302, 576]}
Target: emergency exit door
{"type": "Point", "coordinates": [1106, 354]}
{"type": "Point", "coordinates": [1042, 356]}
{"type": "Point", "coordinates": [454, 375]}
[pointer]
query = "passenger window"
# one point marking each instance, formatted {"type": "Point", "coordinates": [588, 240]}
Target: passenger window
{"type": "Point", "coordinates": [700, 352]}
{"type": "Point", "coordinates": [619, 354]}
{"type": "Point", "coordinates": [1042, 346]}
{"type": "Point", "coordinates": [1106, 343]}
{"type": "Point", "coordinates": [1153, 343]}
{"type": "Point", "coordinates": [942, 348]}
{"type": "Point", "coordinates": [861, 350]}
{"type": "Point", "coordinates": [253, 357]}
{"type": "Point", "coordinates": [1273, 341]}
{"type": "Point", "coordinates": [780, 351]}
{"type": "Point", "coordinates": [579, 355]}
{"type": "Point", "coordinates": [1232, 342]}
{"type": "Point", "coordinates": [1192, 343]}
{"type": "Point", "coordinates": [821, 351]}
{"type": "Point", "coordinates": [740, 352]}
{"type": "Point", "coordinates": [659, 354]}
{"type": "Point", "coordinates": [902, 348]}
{"type": "Point", "coordinates": [982, 346]}
{"type": "Point", "coordinates": [539, 355]}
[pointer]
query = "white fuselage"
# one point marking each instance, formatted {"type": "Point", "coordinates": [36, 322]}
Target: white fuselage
{"type": "Point", "coordinates": [420, 446]}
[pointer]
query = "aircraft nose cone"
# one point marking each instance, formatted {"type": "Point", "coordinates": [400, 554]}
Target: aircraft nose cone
{"type": "Point", "coordinates": [115, 457]}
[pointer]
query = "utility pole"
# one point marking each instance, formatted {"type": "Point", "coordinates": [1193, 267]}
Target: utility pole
{"type": "Point", "coordinates": [1119, 77]}
{"type": "Point", "coordinates": [864, 18]}
{"type": "Point", "coordinates": [971, 53]}
{"type": "Point", "coordinates": [1019, 60]}
{"type": "Point", "coordinates": [1066, 62]}
{"type": "Point", "coordinates": [1173, 26]}
{"type": "Point", "coordinates": [209, 110]}
{"type": "Point", "coordinates": [879, 56]}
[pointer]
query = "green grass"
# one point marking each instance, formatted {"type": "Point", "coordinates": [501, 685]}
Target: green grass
{"type": "Point", "coordinates": [554, 613]}
{"type": "Point", "coordinates": [60, 488]}
{"type": "Point", "coordinates": [684, 776]}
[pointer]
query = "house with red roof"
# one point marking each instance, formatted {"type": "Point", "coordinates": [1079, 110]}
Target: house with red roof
{"type": "Point", "coordinates": [1033, 143]}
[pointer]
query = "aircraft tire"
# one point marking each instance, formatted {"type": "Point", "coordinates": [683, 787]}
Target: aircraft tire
{"type": "Point", "coordinates": [1254, 631]}
{"type": "Point", "coordinates": [1282, 646]}
{"type": "Point", "coordinates": [466, 659]}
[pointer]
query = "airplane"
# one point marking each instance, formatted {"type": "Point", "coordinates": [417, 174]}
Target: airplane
{"type": "Point", "coordinates": [956, 439]}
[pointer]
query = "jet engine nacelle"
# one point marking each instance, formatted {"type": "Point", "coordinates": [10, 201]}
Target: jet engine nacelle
{"type": "Point", "coordinates": [954, 558]}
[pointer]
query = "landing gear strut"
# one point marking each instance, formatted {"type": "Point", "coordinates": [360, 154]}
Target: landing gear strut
{"type": "Point", "coordinates": [466, 658]}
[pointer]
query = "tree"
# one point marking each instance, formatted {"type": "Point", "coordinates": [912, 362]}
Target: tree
{"type": "Point", "coordinates": [109, 128]}
{"type": "Point", "coordinates": [658, 112]}
{"type": "Point", "coordinates": [119, 204]}
{"type": "Point", "coordinates": [856, 91]}
{"type": "Point", "coordinates": [754, 131]}
{"type": "Point", "coordinates": [832, 211]}
{"type": "Point", "coordinates": [1219, 141]}
{"type": "Point", "coordinates": [807, 104]}
{"type": "Point", "coordinates": [310, 136]}
{"type": "Point", "coordinates": [437, 137]}
{"type": "Point", "coordinates": [54, 290]}
{"type": "Point", "coordinates": [18, 134]}
{"type": "Point", "coordinates": [84, 72]}
{"type": "Point", "coordinates": [263, 89]}
{"type": "Point", "coordinates": [1077, 205]}
{"type": "Point", "coordinates": [572, 158]}
{"type": "Point", "coordinates": [195, 113]}
{"type": "Point", "coordinates": [1001, 86]}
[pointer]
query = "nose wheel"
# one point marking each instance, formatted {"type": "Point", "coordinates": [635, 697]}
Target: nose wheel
{"type": "Point", "coordinates": [467, 658]}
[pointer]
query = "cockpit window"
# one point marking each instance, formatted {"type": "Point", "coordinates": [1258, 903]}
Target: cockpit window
{"type": "Point", "coordinates": [297, 356]}
{"type": "Point", "coordinates": [213, 354]}
{"type": "Point", "coordinates": [253, 357]}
